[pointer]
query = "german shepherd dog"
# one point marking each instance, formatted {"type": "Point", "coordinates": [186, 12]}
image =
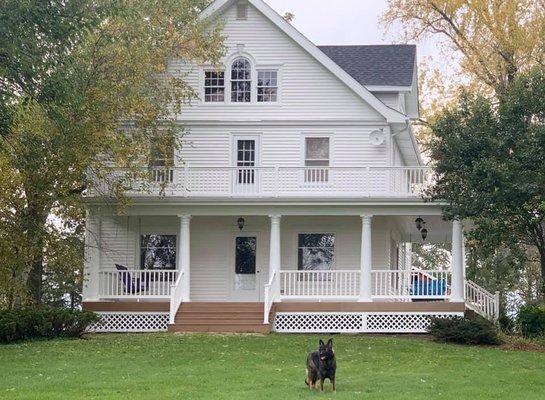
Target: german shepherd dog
{"type": "Point", "coordinates": [321, 365]}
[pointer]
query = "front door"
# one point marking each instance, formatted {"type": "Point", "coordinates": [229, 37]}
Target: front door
{"type": "Point", "coordinates": [245, 174]}
{"type": "Point", "coordinates": [246, 282]}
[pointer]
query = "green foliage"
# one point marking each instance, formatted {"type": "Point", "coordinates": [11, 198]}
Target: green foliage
{"type": "Point", "coordinates": [464, 330]}
{"type": "Point", "coordinates": [489, 163]}
{"type": "Point", "coordinates": [86, 86]}
{"type": "Point", "coordinates": [34, 323]}
{"type": "Point", "coordinates": [531, 320]}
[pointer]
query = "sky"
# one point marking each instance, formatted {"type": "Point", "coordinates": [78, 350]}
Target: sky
{"type": "Point", "coordinates": [352, 22]}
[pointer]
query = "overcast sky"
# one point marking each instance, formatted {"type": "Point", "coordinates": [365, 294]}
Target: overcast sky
{"type": "Point", "coordinates": [348, 22]}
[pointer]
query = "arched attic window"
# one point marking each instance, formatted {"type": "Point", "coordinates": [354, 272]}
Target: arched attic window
{"type": "Point", "coordinates": [241, 80]}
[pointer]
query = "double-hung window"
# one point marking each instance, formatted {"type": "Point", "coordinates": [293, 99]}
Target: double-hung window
{"type": "Point", "coordinates": [315, 251]}
{"type": "Point", "coordinates": [267, 86]}
{"type": "Point", "coordinates": [214, 86]}
{"type": "Point", "coordinates": [316, 159]}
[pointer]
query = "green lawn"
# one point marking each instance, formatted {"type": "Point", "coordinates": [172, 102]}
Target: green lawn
{"type": "Point", "coordinates": [165, 366]}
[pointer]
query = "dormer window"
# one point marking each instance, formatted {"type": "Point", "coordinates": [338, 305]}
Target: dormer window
{"type": "Point", "coordinates": [241, 81]}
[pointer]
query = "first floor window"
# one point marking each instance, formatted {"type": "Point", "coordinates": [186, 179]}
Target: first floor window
{"type": "Point", "coordinates": [158, 252]}
{"type": "Point", "coordinates": [214, 86]}
{"type": "Point", "coordinates": [267, 86]}
{"type": "Point", "coordinates": [315, 251]}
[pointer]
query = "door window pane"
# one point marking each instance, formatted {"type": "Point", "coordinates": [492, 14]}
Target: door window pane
{"type": "Point", "coordinates": [316, 251]}
{"type": "Point", "coordinates": [245, 255]}
{"type": "Point", "coordinates": [246, 159]}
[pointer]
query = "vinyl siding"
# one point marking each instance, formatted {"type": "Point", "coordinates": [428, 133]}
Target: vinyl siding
{"type": "Point", "coordinates": [307, 89]}
{"type": "Point", "coordinates": [349, 145]}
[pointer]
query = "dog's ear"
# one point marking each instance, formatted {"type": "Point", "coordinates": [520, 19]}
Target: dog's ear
{"type": "Point", "coordinates": [330, 343]}
{"type": "Point", "coordinates": [321, 343]}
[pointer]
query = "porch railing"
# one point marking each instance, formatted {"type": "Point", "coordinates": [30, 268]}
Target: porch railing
{"type": "Point", "coordinates": [320, 284]}
{"type": "Point", "coordinates": [136, 283]}
{"type": "Point", "coordinates": [280, 181]}
{"type": "Point", "coordinates": [414, 284]}
{"type": "Point", "coordinates": [385, 284]}
{"type": "Point", "coordinates": [482, 301]}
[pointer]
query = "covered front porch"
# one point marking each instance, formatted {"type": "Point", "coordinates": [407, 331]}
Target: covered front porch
{"type": "Point", "coordinates": [278, 255]}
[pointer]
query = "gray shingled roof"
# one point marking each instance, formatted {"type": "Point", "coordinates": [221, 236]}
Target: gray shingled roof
{"type": "Point", "coordinates": [376, 65]}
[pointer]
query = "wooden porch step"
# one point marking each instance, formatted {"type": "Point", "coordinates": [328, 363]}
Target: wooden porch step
{"type": "Point", "coordinates": [220, 328]}
{"type": "Point", "coordinates": [220, 317]}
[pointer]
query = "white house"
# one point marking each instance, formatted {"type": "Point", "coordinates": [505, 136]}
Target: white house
{"type": "Point", "coordinates": [293, 205]}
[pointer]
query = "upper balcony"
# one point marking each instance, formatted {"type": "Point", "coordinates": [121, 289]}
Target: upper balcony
{"type": "Point", "coordinates": [281, 182]}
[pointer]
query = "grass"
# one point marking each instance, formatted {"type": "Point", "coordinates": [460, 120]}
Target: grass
{"type": "Point", "coordinates": [165, 366]}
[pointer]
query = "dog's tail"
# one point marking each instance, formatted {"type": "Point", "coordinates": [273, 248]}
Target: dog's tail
{"type": "Point", "coordinates": [306, 381]}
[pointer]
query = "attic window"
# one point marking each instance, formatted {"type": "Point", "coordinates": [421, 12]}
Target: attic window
{"type": "Point", "coordinates": [242, 10]}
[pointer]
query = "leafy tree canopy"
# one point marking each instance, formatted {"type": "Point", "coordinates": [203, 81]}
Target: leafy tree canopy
{"type": "Point", "coordinates": [490, 167]}
{"type": "Point", "coordinates": [85, 86]}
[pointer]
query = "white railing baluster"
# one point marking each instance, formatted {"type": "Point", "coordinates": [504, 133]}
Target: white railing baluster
{"type": "Point", "coordinates": [135, 283]}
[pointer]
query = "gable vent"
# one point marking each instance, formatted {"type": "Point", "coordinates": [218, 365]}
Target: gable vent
{"type": "Point", "coordinates": [242, 10]}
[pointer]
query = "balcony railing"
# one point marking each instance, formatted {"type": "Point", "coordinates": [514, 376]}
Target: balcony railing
{"type": "Point", "coordinates": [283, 181]}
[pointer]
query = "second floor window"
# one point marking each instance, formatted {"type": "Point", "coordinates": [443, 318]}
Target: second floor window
{"type": "Point", "coordinates": [241, 81]}
{"type": "Point", "coordinates": [214, 86]}
{"type": "Point", "coordinates": [317, 159]}
{"type": "Point", "coordinates": [267, 86]}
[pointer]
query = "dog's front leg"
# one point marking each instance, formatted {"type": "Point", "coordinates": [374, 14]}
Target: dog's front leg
{"type": "Point", "coordinates": [322, 384]}
{"type": "Point", "coordinates": [333, 383]}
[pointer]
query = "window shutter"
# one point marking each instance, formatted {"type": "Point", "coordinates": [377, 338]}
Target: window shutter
{"type": "Point", "coordinates": [242, 10]}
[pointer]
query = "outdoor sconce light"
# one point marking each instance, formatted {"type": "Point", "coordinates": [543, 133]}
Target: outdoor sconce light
{"type": "Point", "coordinates": [419, 222]}
{"type": "Point", "coordinates": [240, 223]}
{"type": "Point", "coordinates": [424, 233]}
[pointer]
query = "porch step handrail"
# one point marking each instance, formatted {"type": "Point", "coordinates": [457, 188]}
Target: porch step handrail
{"type": "Point", "coordinates": [482, 301]}
{"type": "Point", "coordinates": [135, 283]}
{"type": "Point", "coordinates": [176, 291]}
{"type": "Point", "coordinates": [269, 295]}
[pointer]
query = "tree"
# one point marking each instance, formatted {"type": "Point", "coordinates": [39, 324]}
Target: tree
{"type": "Point", "coordinates": [86, 86]}
{"type": "Point", "coordinates": [497, 39]}
{"type": "Point", "coordinates": [489, 165]}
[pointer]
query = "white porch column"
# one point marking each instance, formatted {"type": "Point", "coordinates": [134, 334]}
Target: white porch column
{"type": "Point", "coordinates": [184, 259]}
{"type": "Point", "coordinates": [366, 259]}
{"type": "Point", "coordinates": [457, 267]}
{"type": "Point", "coordinates": [91, 266]}
{"type": "Point", "coordinates": [275, 251]}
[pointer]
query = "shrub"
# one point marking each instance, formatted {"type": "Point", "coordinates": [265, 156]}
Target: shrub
{"type": "Point", "coordinates": [531, 320]}
{"type": "Point", "coordinates": [465, 331]}
{"type": "Point", "coordinates": [43, 323]}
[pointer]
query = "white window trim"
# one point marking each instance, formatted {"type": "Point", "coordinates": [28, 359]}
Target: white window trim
{"type": "Point", "coordinates": [261, 69]}
{"type": "Point", "coordinates": [202, 72]}
{"type": "Point", "coordinates": [255, 66]}
{"type": "Point", "coordinates": [245, 136]}
{"type": "Point", "coordinates": [306, 135]}
{"type": "Point", "coordinates": [315, 231]}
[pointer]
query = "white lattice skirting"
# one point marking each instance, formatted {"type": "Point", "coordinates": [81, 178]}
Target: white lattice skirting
{"type": "Point", "coordinates": [356, 322]}
{"type": "Point", "coordinates": [131, 322]}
